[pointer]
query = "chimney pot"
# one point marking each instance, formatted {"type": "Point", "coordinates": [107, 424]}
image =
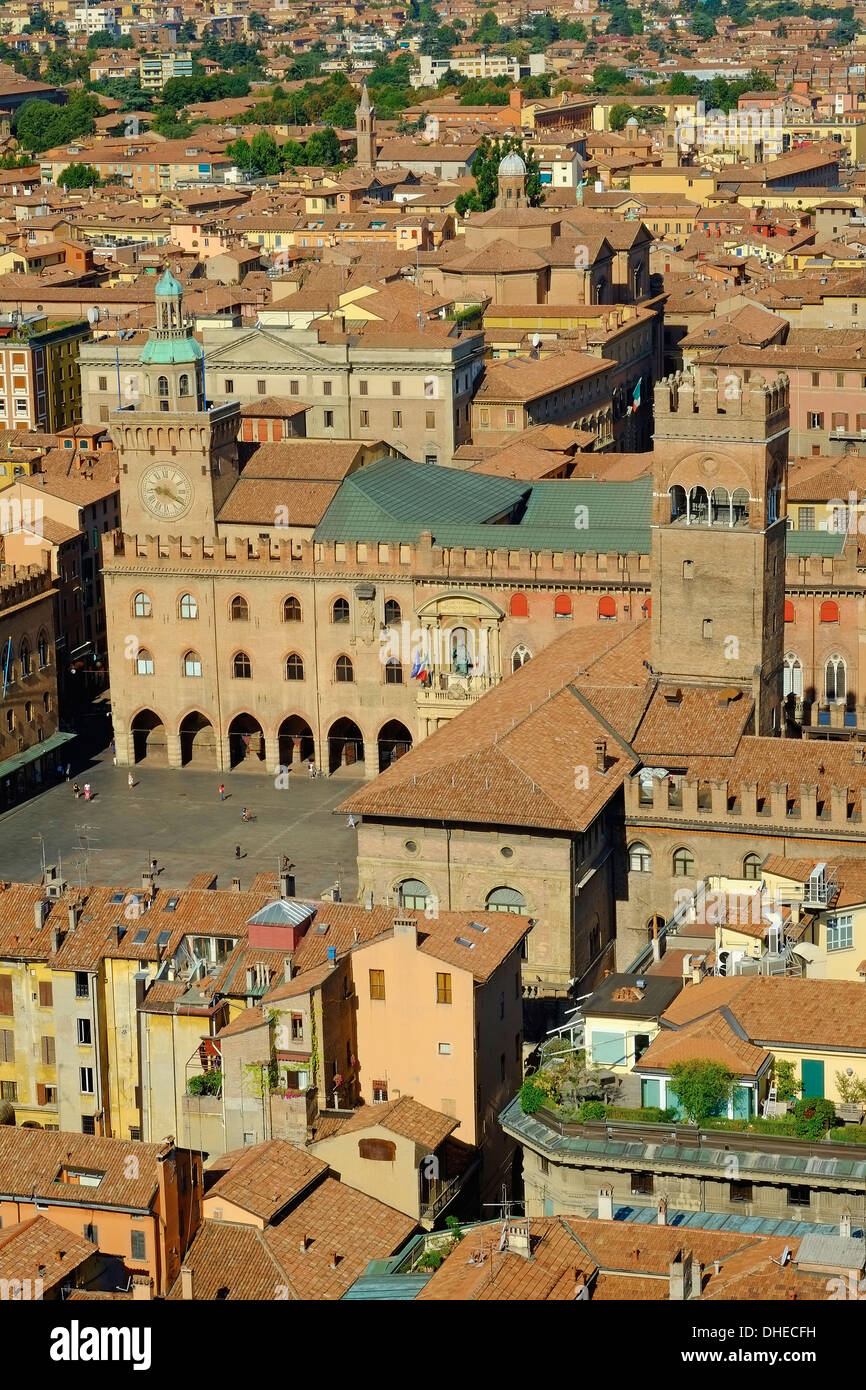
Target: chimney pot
{"type": "Point", "coordinates": [601, 755]}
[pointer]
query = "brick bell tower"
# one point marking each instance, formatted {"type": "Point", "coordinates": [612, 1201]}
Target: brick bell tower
{"type": "Point", "coordinates": [718, 535]}
{"type": "Point", "coordinates": [178, 453]}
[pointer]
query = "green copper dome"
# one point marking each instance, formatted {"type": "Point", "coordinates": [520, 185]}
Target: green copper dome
{"type": "Point", "coordinates": [168, 285]}
{"type": "Point", "coordinates": [168, 351]}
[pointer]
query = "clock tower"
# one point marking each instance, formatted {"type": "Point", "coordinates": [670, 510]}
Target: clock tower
{"type": "Point", "coordinates": [178, 453]}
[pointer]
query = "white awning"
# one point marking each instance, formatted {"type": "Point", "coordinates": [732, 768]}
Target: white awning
{"type": "Point", "coordinates": [808, 951]}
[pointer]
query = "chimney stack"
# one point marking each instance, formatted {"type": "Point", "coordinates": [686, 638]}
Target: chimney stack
{"type": "Point", "coordinates": [845, 1225]}
{"type": "Point", "coordinates": [335, 1258]}
{"type": "Point", "coordinates": [72, 914]}
{"type": "Point", "coordinates": [287, 968]}
{"type": "Point", "coordinates": [236, 885]}
{"type": "Point", "coordinates": [605, 1204]}
{"type": "Point", "coordinates": [680, 1277]}
{"type": "Point", "coordinates": [186, 1283]}
{"type": "Point", "coordinates": [601, 755]}
{"type": "Point", "coordinates": [662, 1212]}
{"type": "Point", "coordinates": [303, 1244]}
{"type": "Point", "coordinates": [142, 1287]}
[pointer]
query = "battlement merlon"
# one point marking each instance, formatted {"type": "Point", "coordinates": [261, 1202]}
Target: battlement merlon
{"type": "Point", "coordinates": [784, 808]}
{"type": "Point", "coordinates": [686, 402]}
{"type": "Point", "coordinates": [18, 583]}
{"type": "Point", "coordinates": [415, 560]}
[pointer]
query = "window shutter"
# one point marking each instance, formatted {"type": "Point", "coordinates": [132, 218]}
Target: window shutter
{"type": "Point", "coordinates": [46, 994]}
{"type": "Point", "coordinates": [48, 1054]}
{"type": "Point", "coordinates": [6, 995]}
{"type": "Point", "coordinates": [41, 1097]}
{"type": "Point", "coordinates": [7, 1046]}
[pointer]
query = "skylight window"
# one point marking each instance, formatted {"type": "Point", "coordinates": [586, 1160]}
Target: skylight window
{"type": "Point", "coordinates": [171, 905]}
{"type": "Point", "coordinates": [116, 898]}
{"type": "Point", "coordinates": [163, 939]}
{"type": "Point", "coordinates": [476, 926]}
{"type": "Point", "coordinates": [140, 936]}
{"type": "Point", "coordinates": [461, 941]}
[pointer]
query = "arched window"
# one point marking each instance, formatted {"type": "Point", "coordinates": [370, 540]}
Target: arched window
{"type": "Point", "coordinates": [242, 667]}
{"type": "Point", "coordinates": [414, 894]}
{"type": "Point", "coordinates": [188, 606]}
{"type": "Point", "coordinates": [752, 866]}
{"type": "Point", "coordinates": [141, 606]}
{"type": "Point", "coordinates": [192, 664]}
{"type": "Point", "coordinates": [519, 606]}
{"type": "Point", "coordinates": [340, 610]}
{"type": "Point", "coordinates": [790, 615]}
{"type": "Point", "coordinates": [740, 504]}
{"type": "Point", "coordinates": [162, 386]}
{"type": "Point", "coordinates": [654, 925]}
{"type": "Point", "coordinates": [684, 863]}
{"type": "Point", "coordinates": [294, 667]}
{"type": "Point", "coordinates": [721, 511]}
{"type": "Point", "coordinates": [698, 506]}
{"type": "Point", "coordinates": [562, 606]}
{"type": "Point", "coordinates": [640, 861]}
{"type": "Point", "coordinates": [677, 495]}
{"type": "Point", "coordinates": [239, 610]}
{"type": "Point", "coordinates": [24, 657]}
{"type": "Point", "coordinates": [519, 657]}
{"type": "Point", "coordinates": [345, 671]}
{"type": "Point", "coordinates": [792, 675]}
{"type": "Point", "coordinates": [143, 662]}
{"type": "Point", "coordinates": [292, 610]}
{"type": "Point", "coordinates": [835, 681]}
{"type": "Point", "coordinates": [506, 900]}
{"type": "Point", "coordinates": [607, 608]}
{"type": "Point", "coordinates": [829, 611]}
{"type": "Point", "coordinates": [42, 650]}
{"type": "Point", "coordinates": [393, 672]}
{"type": "Point", "coordinates": [393, 614]}
{"type": "Point", "coordinates": [183, 385]}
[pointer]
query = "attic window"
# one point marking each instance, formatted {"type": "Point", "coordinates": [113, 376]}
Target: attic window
{"type": "Point", "coordinates": [476, 926]}
{"type": "Point", "coordinates": [163, 939]}
{"type": "Point", "coordinates": [140, 937]}
{"type": "Point", "coordinates": [461, 941]}
{"type": "Point", "coordinates": [322, 928]}
{"type": "Point", "coordinates": [116, 898]}
{"type": "Point", "coordinates": [171, 905]}
{"type": "Point", "coordinates": [674, 697]}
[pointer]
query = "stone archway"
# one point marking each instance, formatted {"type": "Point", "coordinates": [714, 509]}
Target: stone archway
{"type": "Point", "coordinates": [246, 741]}
{"type": "Point", "coordinates": [345, 745]}
{"type": "Point", "coordinates": [198, 744]}
{"type": "Point", "coordinates": [394, 740]}
{"type": "Point", "coordinates": [149, 739]}
{"type": "Point", "coordinates": [295, 741]}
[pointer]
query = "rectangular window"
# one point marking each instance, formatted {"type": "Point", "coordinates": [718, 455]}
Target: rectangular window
{"type": "Point", "coordinates": [327, 388]}
{"type": "Point", "coordinates": [329, 419]}
{"type": "Point", "coordinates": [365, 419]}
{"type": "Point", "coordinates": [9, 1090]}
{"type": "Point", "coordinates": [380, 1091]}
{"type": "Point", "coordinates": [46, 1047]}
{"type": "Point", "coordinates": [363, 388]}
{"type": "Point", "coordinates": [84, 1035]}
{"type": "Point", "coordinates": [377, 984]}
{"type": "Point", "coordinates": [6, 995]}
{"type": "Point", "coordinates": [294, 388]}
{"type": "Point", "coordinates": [816, 378]}
{"type": "Point", "coordinates": [642, 1184]}
{"type": "Point", "coordinates": [397, 418]}
{"type": "Point", "coordinates": [443, 988]}
{"type": "Point", "coordinates": [228, 385]}
{"type": "Point", "coordinates": [741, 1192]}
{"type": "Point", "coordinates": [430, 419]}
{"type": "Point", "coordinates": [814, 420]}
{"type": "Point", "coordinates": [82, 985]}
{"type": "Point", "coordinates": [85, 1077]}
{"type": "Point", "coordinates": [103, 383]}
{"type": "Point", "coordinates": [88, 1125]}
{"type": "Point", "coordinates": [91, 1232]}
{"type": "Point", "coordinates": [840, 933]}
{"type": "Point", "coordinates": [444, 1049]}
{"type": "Point", "coordinates": [262, 386]}
{"type": "Point", "coordinates": [806, 519]}
{"type": "Point", "coordinates": [135, 1132]}
{"type": "Point", "coordinates": [137, 1246]}
{"type": "Point", "coordinates": [7, 1045]}
{"type": "Point", "coordinates": [799, 1197]}
{"type": "Point", "coordinates": [395, 388]}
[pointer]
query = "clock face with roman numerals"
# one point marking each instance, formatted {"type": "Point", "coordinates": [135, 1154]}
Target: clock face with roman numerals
{"type": "Point", "coordinates": [166, 492]}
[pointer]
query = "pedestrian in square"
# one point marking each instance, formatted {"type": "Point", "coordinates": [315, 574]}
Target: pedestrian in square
{"type": "Point", "coordinates": [222, 792]}
{"type": "Point", "coordinates": [130, 781]}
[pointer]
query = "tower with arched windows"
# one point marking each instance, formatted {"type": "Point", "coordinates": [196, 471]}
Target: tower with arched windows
{"type": "Point", "coordinates": [718, 536]}
{"type": "Point", "coordinates": [365, 131]}
{"type": "Point", "coordinates": [178, 453]}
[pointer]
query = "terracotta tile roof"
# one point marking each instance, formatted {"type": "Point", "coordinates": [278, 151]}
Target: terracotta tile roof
{"type": "Point", "coordinates": [31, 1161]}
{"type": "Point", "coordinates": [406, 1117]}
{"type": "Point", "coordinates": [232, 1262]}
{"type": "Point", "coordinates": [264, 1178]}
{"type": "Point", "coordinates": [806, 762]}
{"type": "Point", "coordinates": [336, 1220]}
{"type": "Point", "coordinates": [314, 460]}
{"type": "Point", "coordinates": [510, 758]}
{"type": "Point", "coordinates": [65, 477]}
{"type": "Point", "coordinates": [711, 1039]}
{"type": "Point", "coordinates": [695, 723]}
{"type": "Point", "coordinates": [257, 502]}
{"type": "Point", "coordinates": [38, 1248]}
{"type": "Point", "coordinates": [774, 1009]}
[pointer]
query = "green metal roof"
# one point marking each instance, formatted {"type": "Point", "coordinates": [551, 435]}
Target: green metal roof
{"type": "Point", "coordinates": [30, 755]}
{"type": "Point", "coordinates": [815, 542]}
{"type": "Point", "coordinates": [396, 499]}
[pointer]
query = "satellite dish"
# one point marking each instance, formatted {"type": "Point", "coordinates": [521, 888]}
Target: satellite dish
{"type": "Point", "coordinates": [536, 339]}
{"type": "Point", "coordinates": [93, 316]}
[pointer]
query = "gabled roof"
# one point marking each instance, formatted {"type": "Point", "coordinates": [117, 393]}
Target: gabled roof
{"type": "Point", "coordinates": [264, 1178]}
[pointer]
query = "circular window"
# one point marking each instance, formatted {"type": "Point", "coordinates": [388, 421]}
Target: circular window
{"type": "Point", "coordinates": [410, 845]}
{"type": "Point", "coordinates": [507, 852]}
